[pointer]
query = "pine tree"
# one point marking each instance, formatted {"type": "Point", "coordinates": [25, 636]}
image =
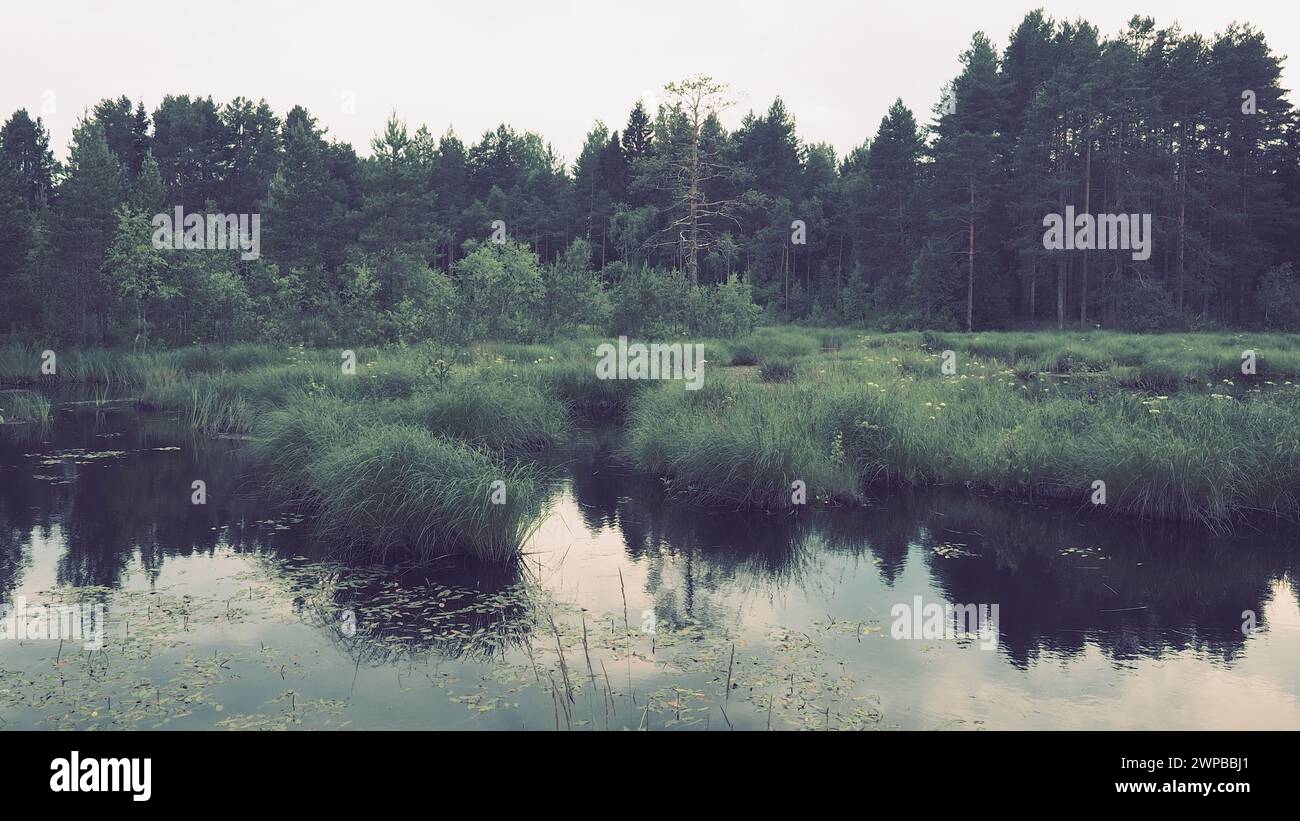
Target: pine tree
{"type": "Point", "coordinates": [25, 146]}
{"type": "Point", "coordinates": [85, 223]}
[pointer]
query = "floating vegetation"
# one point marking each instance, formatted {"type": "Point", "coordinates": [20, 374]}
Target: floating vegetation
{"type": "Point", "coordinates": [517, 648]}
{"type": "Point", "coordinates": [75, 456]}
{"type": "Point", "coordinates": [950, 550]}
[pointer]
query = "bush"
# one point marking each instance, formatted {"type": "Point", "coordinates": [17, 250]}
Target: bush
{"type": "Point", "coordinates": [725, 310]}
{"type": "Point", "coordinates": [652, 304]}
{"type": "Point", "coordinates": [1146, 306]}
{"type": "Point", "coordinates": [575, 297]}
{"type": "Point", "coordinates": [433, 313]}
{"type": "Point", "coordinates": [502, 292]}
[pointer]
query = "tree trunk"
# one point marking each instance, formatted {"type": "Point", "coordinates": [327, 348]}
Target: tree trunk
{"type": "Point", "coordinates": [1182, 217]}
{"type": "Point", "coordinates": [1087, 204]}
{"type": "Point", "coordinates": [970, 259]}
{"type": "Point", "coordinates": [693, 251]}
{"type": "Point", "coordinates": [1033, 287]}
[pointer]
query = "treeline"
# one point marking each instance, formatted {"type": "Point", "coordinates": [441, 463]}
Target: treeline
{"type": "Point", "coordinates": [672, 223]}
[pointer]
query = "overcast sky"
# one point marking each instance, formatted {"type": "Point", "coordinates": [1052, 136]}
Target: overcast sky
{"type": "Point", "coordinates": [551, 66]}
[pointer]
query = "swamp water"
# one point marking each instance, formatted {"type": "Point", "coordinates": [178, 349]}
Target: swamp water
{"type": "Point", "coordinates": [628, 611]}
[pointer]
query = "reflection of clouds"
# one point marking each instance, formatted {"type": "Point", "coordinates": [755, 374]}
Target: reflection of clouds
{"type": "Point", "coordinates": [1282, 610]}
{"type": "Point", "coordinates": [1086, 693]}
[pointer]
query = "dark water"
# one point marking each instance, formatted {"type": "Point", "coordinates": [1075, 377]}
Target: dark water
{"type": "Point", "coordinates": [228, 614]}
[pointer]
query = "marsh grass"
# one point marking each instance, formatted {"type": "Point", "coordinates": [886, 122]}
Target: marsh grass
{"type": "Point", "coordinates": [23, 406]}
{"type": "Point", "coordinates": [412, 476]}
{"type": "Point", "coordinates": [889, 416]}
{"type": "Point", "coordinates": [1164, 362]}
{"type": "Point", "coordinates": [574, 382]}
{"type": "Point", "coordinates": [498, 415]}
{"type": "Point", "coordinates": [766, 344]}
{"type": "Point", "coordinates": [1168, 421]}
{"type": "Point", "coordinates": [395, 489]}
{"type": "Point", "coordinates": [230, 401]}
{"type": "Point", "coordinates": [21, 365]}
{"type": "Point", "coordinates": [780, 370]}
{"type": "Point", "coordinates": [735, 443]}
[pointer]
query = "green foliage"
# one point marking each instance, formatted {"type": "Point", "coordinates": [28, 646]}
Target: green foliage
{"type": "Point", "coordinates": [502, 289]}
{"type": "Point", "coordinates": [651, 304]}
{"type": "Point", "coordinates": [725, 310]}
{"type": "Point", "coordinates": [432, 313]}
{"type": "Point", "coordinates": [135, 267]}
{"type": "Point", "coordinates": [937, 228]}
{"type": "Point", "coordinates": [575, 295]}
{"type": "Point", "coordinates": [1277, 302]}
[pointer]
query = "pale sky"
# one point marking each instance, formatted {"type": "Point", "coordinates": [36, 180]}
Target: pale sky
{"type": "Point", "coordinates": [550, 66]}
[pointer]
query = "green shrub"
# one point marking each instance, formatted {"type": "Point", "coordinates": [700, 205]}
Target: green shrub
{"type": "Point", "coordinates": [651, 304]}
{"type": "Point", "coordinates": [725, 310]}
{"type": "Point", "coordinates": [398, 489]}
{"type": "Point", "coordinates": [502, 292]}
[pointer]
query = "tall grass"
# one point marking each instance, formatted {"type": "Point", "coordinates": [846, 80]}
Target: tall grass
{"type": "Point", "coordinates": [574, 382]}
{"type": "Point", "coordinates": [1165, 362]}
{"type": "Point", "coordinates": [737, 444]}
{"type": "Point", "coordinates": [22, 365]}
{"type": "Point", "coordinates": [1206, 458]}
{"type": "Point", "coordinates": [1167, 421]}
{"type": "Point", "coordinates": [288, 439]}
{"type": "Point", "coordinates": [23, 406]}
{"type": "Point", "coordinates": [398, 488]}
{"type": "Point", "coordinates": [499, 415]}
{"type": "Point", "coordinates": [766, 344]}
{"type": "Point", "coordinates": [231, 401]}
{"type": "Point", "coordinates": [381, 488]}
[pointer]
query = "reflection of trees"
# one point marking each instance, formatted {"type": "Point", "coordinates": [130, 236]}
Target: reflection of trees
{"type": "Point", "coordinates": [689, 553]}
{"type": "Point", "coordinates": [1191, 587]}
{"type": "Point", "coordinates": [1159, 587]}
{"type": "Point", "coordinates": [381, 615]}
{"type": "Point", "coordinates": [142, 501]}
{"type": "Point", "coordinates": [1133, 589]}
{"type": "Point", "coordinates": [11, 551]}
{"type": "Point", "coordinates": [597, 479]}
{"type": "Point", "coordinates": [109, 507]}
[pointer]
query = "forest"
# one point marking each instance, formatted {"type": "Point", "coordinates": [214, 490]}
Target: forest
{"type": "Point", "coordinates": [670, 224]}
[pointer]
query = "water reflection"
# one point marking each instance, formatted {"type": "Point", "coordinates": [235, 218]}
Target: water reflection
{"type": "Point", "coordinates": [101, 499]}
{"type": "Point", "coordinates": [1062, 579]}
